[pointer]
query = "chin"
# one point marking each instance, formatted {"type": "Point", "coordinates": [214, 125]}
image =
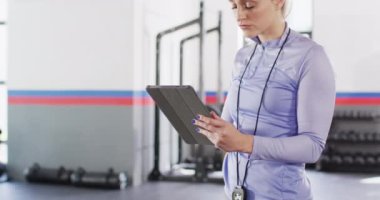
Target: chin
{"type": "Point", "coordinates": [250, 34]}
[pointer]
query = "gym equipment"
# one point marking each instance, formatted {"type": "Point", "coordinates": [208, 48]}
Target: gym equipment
{"type": "Point", "coordinates": [156, 174]}
{"type": "Point", "coordinates": [353, 143]}
{"type": "Point", "coordinates": [217, 108]}
{"type": "Point", "coordinates": [348, 160]}
{"type": "Point", "coordinates": [3, 169]}
{"type": "Point", "coordinates": [47, 175]}
{"type": "Point", "coordinates": [3, 173]}
{"type": "Point", "coordinates": [199, 164]}
{"type": "Point", "coordinates": [355, 115]}
{"type": "Point", "coordinates": [105, 180]}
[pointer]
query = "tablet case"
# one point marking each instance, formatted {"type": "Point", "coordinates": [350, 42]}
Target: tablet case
{"type": "Point", "coordinates": [180, 104]}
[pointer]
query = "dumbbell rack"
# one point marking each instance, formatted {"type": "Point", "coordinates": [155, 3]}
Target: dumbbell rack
{"type": "Point", "coordinates": [353, 144]}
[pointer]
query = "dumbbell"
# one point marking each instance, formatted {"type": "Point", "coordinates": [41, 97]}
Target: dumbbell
{"type": "Point", "coordinates": [3, 169]}
{"type": "Point", "coordinates": [359, 160]}
{"type": "Point", "coordinates": [364, 115]}
{"type": "Point", "coordinates": [344, 114]}
{"type": "Point", "coordinates": [344, 137]}
{"type": "Point", "coordinates": [338, 114]}
{"type": "Point", "coordinates": [46, 175]}
{"type": "Point", "coordinates": [370, 160]}
{"type": "Point", "coordinates": [352, 136]}
{"type": "Point", "coordinates": [333, 136]}
{"type": "Point", "coordinates": [336, 160]}
{"type": "Point", "coordinates": [108, 180]}
{"type": "Point", "coordinates": [323, 161]}
{"type": "Point", "coordinates": [377, 159]}
{"type": "Point", "coordinates": [218, 160]}
{"type": "Point", "coordinates": [355, 114]}
{"type": "Point", "coordinates": [348, 159]}
{"type": "Point", "coordinates": [377, 137]}
{"type": "Point", "coordinates": [370, 137]}
{"type": "Point", "coordinates": [362, 137]}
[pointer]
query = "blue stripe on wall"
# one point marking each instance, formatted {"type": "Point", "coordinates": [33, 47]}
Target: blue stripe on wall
{"type": "Point", "coordinates": [357, 95]}
{"type": "Point", "coordinates": [141, 93]}
{"type": "Point", "coordinates": [77, 93]}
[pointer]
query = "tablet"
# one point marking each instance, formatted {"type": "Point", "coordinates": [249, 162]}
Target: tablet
{"type": "Point", "coordinates": [180, 104]}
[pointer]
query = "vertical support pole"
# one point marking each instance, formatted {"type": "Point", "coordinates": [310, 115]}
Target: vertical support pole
{"type": "Point", "coordinates": [200, 170]}
{"type": "Point", "coordinates": [220, 96]}
{"type": "Point", "coordinates": [202, 33]}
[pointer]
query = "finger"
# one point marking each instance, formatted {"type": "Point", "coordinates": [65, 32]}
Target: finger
{"type": "Point", "coordinates": [208, 120]}
{"type": "Point", "coordinates": [206, 133]}
{"type": "Point", "coordinates": [204, 125]}
{"type": "Point", "coordinates": [214, 115]}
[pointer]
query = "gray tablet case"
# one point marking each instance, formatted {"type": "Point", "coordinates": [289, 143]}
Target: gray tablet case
{"type": "Point", "coordinates": [180, 104]}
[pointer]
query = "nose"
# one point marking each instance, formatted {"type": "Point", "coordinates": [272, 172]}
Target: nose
{"type": "Point", "coordinates": [240, 14]}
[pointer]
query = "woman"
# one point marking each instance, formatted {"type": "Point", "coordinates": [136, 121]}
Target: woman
{"type": "Point", "coordinates": [279, 107]}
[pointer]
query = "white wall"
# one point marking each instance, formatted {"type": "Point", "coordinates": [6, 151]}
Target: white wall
{"type": "Point", "coordinates": [3, 52]}
{"type": "Point", "coordinates": [350, 31]}
{"type": "Point", "coordinates": [301, 15]}
{"type": "Point", "coordinates": [3, 10]}
{"type": "Point", "coordinates": [86, 44]}
{"type": "Point", "coordinates": [3, 69]}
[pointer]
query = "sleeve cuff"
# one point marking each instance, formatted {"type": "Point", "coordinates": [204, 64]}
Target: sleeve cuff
{"type": "Point", "coordinates": [256, 147]}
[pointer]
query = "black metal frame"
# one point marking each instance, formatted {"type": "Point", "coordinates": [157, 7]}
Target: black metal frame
{"type": "Point", "coordinates": [2, 82]}
{"type": "Point", "coordinates": [200, 170]}
{"type": "Point", "coordinates": [218, 30]}
{"type": "Point", "coordinates": [156, 174]}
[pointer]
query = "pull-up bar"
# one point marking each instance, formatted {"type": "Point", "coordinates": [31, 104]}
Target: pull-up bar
{"type": "Point", "coordinates": [218, 30]}
{"type": "Point", "coordinates": [156, 174]}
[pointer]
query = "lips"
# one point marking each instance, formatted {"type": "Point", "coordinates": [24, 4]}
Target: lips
{"type": "Point", "coordinates": [244, 26]}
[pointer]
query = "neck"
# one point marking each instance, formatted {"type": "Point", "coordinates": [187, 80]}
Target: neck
{"type": "Point", "coordinates": [273, 32]}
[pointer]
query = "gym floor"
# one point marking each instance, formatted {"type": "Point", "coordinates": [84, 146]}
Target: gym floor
{"type": "Point", "coordinates": [326, 186]}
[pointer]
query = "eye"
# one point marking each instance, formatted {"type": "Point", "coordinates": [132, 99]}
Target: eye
{"type": "Point", "coordinates": [249, 5]}
{"type": "Point", "coordinates": [233, 6]}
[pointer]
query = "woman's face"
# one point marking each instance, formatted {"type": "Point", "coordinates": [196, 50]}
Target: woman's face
{"type": "Point", "coordinates": [255, 17]}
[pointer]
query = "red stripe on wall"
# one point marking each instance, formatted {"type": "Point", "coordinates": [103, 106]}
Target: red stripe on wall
{"type": "Point", "coordinates": [212, 99]}
{"type": "Point", "coordinates": [143, 101]}
{"type": "Point", "coordinates": [358, 101]}
{"type": "Point", "coordinates": [80, 101]}
{"type": "Point", "coordinates": [137, 101]}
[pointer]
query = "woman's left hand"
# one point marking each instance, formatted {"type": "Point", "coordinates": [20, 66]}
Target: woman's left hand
{"type": "Point", "coordinates": [223, 134]}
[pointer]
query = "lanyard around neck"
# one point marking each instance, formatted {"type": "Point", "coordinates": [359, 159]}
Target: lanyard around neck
{"type": "Point", "coordinates": [261, 102]}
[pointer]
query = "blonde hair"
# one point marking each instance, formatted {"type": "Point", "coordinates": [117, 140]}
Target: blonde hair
{"type": "Point", "coordinates": [286, 8]}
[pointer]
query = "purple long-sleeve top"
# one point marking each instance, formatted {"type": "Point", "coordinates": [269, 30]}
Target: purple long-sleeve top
{"type": "Point", "coordinates": [294, 120]}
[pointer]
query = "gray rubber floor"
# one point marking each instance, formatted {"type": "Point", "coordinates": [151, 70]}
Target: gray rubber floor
{"type": "Point", "coordinates": [326, 186]}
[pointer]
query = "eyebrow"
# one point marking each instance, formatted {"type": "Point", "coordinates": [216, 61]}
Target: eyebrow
{"type": "Point", "coordinates": [244, 1]}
